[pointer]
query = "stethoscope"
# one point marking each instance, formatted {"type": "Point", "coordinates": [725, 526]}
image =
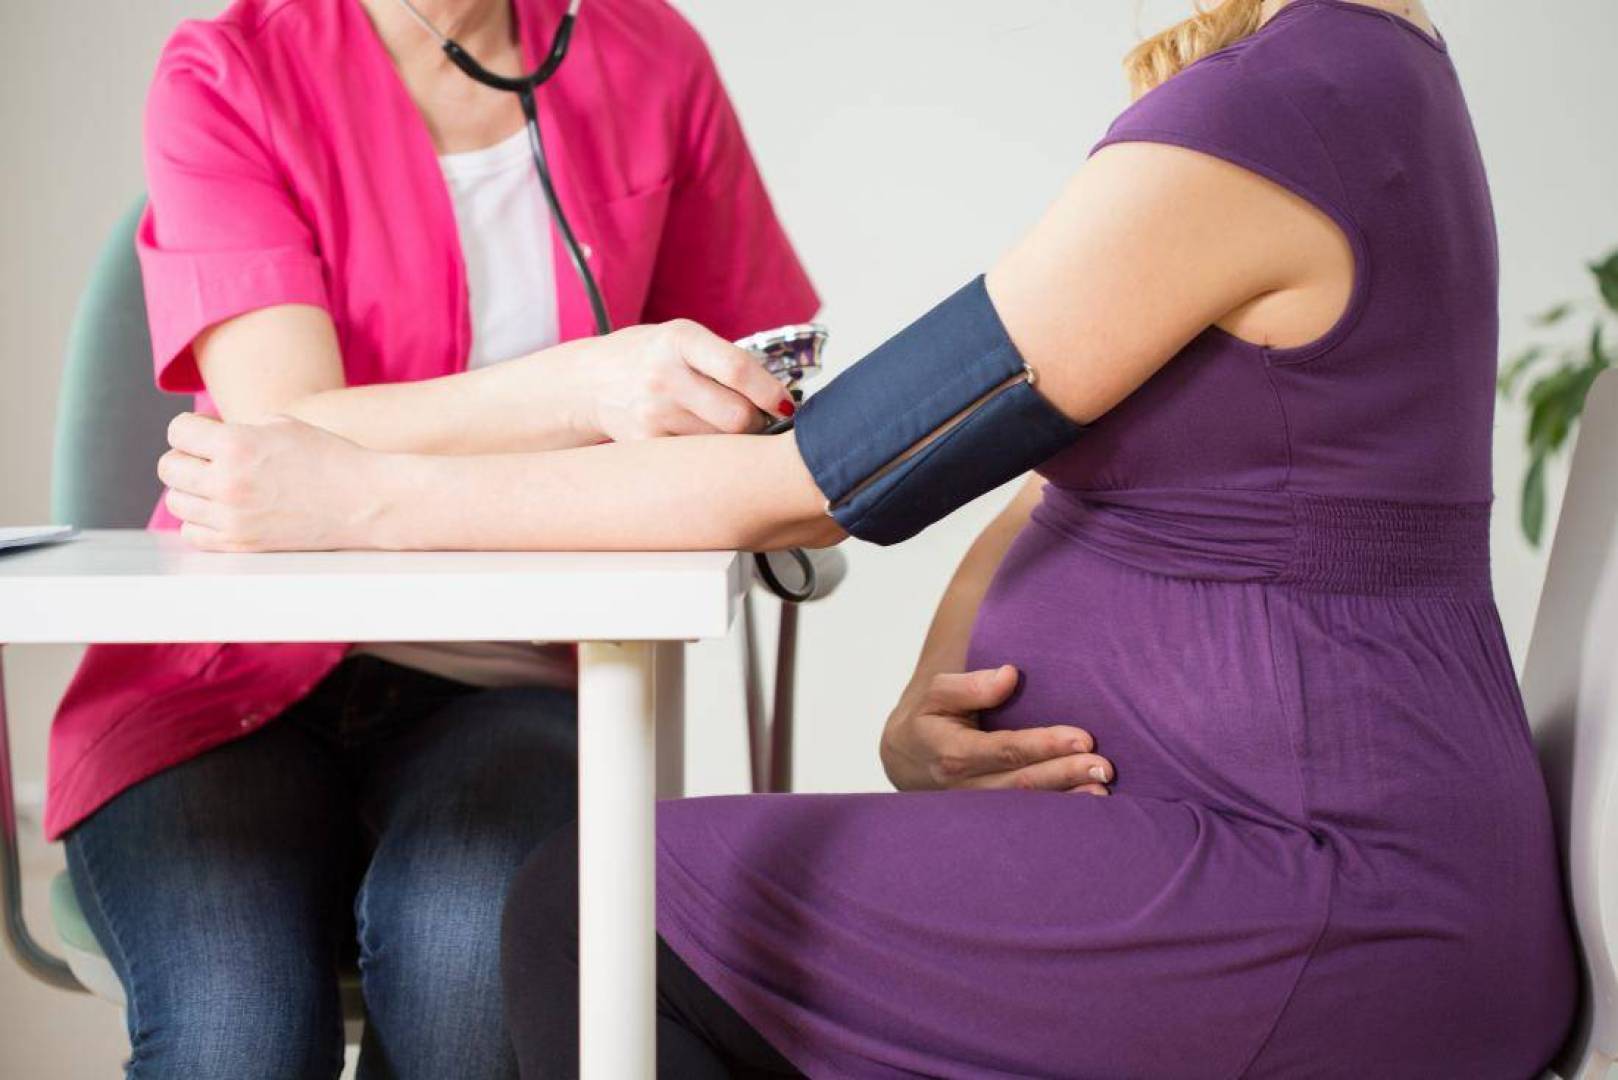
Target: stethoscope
{"type": "Point", "coordinates": [790, 353]}
{"type": "Point", "coordinates": [524, 86]}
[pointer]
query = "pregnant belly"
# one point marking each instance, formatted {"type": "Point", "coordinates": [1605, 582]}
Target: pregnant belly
{"type": "Point", "coordinates": [1173, 677]}
{"type": "Point", "coordinates": [1330, 711]}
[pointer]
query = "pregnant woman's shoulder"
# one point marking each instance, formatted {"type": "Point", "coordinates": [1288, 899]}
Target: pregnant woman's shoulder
{"type": "Point", "coordinates": [1251, 105]}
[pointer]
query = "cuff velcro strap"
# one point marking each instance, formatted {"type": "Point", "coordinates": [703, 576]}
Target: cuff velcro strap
{"type": "Point", "coordinates": [941, 413]}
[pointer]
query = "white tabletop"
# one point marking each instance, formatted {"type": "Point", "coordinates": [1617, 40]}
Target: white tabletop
{"type": "Point", "coordinates": [135, 586]}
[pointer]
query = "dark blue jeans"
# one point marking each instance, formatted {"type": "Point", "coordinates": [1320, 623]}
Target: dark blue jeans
{"type": "Point", "coordinates": [379, 820]}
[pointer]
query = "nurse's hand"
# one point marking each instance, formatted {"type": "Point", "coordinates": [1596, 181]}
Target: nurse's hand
{"type": "Point", "coordinates": [932, 741]}
{"type": "Point", "coordinates": [678, 378]}
{"type": "Point", "coordinates": [280, 486]}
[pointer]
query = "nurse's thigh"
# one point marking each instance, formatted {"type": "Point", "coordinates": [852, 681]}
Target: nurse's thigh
{"type": "Point", "coordinates": [457, 801]}
{"type": "Point", "coordinates": [217, 890]}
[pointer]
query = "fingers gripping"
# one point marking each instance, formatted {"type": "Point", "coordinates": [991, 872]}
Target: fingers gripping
{"type": "Point", "coordinates": [731, 367]}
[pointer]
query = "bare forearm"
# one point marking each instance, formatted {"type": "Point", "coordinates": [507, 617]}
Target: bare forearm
{"type": "Point", "coordinates": [490, 410]}
{"type": "Point", "coordinates": [945, 647]}
{"type": "Point", "coordinates": [697, 493]}
{"type": "Point", "coordinates": [287, 361]}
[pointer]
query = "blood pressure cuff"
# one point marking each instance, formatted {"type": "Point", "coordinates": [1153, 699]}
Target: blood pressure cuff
{"type": "Point", "coordinates": [941, 413]}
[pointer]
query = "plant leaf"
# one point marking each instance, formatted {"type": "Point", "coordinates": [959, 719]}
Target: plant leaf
{"type": "Point", "coordinates": [1514, 368]}
{"type": "Point", "coordinates": [1606, 272]}
{"type": "Point", "coordinates": [1554, 403]}
{"type": "Point", "coordinates": [1533, 501]}
{"type": "Point", "coordinates": [1544, 422]}
{"type": "Point", "coordinates": [1549, 386]}
{"type": "Point", "coordinates": [1552, 316]}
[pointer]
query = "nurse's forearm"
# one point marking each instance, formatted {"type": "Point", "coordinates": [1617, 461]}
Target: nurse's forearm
{"type": "Point", "coordinates": [697, 493]}
{"type": "Point", "coordinates": [286, 361]}
{"type": "Point", "coordinates": [537, 403]}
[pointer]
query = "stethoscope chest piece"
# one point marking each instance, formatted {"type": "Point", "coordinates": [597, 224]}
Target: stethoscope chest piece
{"type": "Point", "coordinates": [790, 353]}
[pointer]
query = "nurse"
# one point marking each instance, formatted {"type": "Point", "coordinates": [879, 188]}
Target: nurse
{"type": "Point", "coordinates": [344, 228]}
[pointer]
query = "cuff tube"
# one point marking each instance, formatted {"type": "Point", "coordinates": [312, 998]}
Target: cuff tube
{"type": "Point", "coordinates": [941, 413]}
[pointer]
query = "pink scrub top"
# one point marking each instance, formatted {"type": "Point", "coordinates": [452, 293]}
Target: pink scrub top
{"type": "Point", "coordinates": [287, 164]}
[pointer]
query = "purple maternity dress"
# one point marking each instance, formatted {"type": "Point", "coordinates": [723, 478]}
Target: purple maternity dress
{"type": "Point", "coordinates": [1262, 582]}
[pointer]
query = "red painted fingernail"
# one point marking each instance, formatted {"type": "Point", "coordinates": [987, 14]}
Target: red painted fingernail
{"type": "Point", "coordinates": [786, 408]}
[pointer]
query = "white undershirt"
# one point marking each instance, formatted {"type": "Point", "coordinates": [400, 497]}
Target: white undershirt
{"type": "Point", "coordinates": [505, 233]}
{"type": "Point", "coordinates": [505, 230]}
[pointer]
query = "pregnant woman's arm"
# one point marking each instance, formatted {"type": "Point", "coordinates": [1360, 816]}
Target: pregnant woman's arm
{"type": "Point", "coordinates": [674, 379]}
{"type": "Point", "coordinates": [1148, 247]}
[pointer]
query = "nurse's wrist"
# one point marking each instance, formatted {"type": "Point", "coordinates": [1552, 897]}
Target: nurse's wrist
{"type": "Point", "coordinates": [572, 378]}
{"type": "Point", "coordinates": [396, 503]}
{"type": "Point", "coordinates": [538, 402]}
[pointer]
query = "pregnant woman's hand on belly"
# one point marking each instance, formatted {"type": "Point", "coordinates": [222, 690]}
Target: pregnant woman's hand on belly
{"type": "Point", "coordinates": [932, 741]}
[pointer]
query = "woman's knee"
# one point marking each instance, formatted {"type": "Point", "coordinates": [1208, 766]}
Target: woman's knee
{"type": "Point", "coordinates": [244, 1017]}
{"type": "Point", "coordinates": [221, 978]}
{"type": "Point", "coordinates": [429, 930]}
{"type": "Point", "coordinates": [539, 970]}
{"type": "Point", "coordinates": [542, 906]}
{"type": "Point", "coordinates": [429, 943]}
{"type": "Point", "coordinates": [432, 899]}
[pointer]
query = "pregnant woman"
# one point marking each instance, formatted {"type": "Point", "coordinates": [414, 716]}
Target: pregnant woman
{"type": "Point", "coordinates": [345, 228]}
{"type": "Point", "coordinates": [1260, 571]}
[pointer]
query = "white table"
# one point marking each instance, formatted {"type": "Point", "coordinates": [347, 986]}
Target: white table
{"type": "Point", "coordinates": [632, 613]}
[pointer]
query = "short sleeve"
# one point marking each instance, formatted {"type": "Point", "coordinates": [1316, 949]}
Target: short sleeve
{"type": "Point", "coordinates": [725, 260]}
{"type": "Point", "coordinates": [1231, 107]}
{"type": "Point", "coordinates": [1261, 111]}
{"type": "Point", "coordinates": [222, 234]}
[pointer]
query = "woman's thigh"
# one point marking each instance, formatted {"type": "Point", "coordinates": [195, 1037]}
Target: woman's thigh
{"type": "Point", "coordinates": [217, 889]}
{"type": "Point", "coordinates": [455, 801]}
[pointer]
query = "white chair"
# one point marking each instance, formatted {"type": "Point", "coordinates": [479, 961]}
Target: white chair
{"type": "Point", "coordinates": [1571, 692]}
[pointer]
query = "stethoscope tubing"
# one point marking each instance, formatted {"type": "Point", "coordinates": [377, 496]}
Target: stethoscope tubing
{"type": "Point", "coordinates": [570, 240]}
{"type": "Point", "coordinates": [524, 87]}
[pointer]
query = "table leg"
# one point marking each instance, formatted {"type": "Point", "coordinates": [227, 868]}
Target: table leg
{"type": "Point", "coordinates": [670, 719]}
{"type": "Point", "coordinates": [618, 710]}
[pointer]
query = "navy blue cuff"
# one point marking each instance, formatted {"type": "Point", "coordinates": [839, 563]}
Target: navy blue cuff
{"type": "Point", "coordinates": [941, 413]}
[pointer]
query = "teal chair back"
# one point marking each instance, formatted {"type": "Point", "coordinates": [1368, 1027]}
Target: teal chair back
{"type": "Point", "coordinates": [110, 431]}
{"type": "Point", "coordinates": [111, 419]}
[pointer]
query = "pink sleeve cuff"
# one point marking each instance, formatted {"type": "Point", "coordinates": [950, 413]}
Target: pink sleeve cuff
{"type": "Point", "coordinates": [186, 293]}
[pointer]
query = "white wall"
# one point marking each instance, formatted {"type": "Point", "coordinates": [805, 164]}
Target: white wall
{"type": "Point", "coordinates": [907, 142]}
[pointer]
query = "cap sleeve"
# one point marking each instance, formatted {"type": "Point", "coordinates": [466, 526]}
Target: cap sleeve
{"type": "Point", "coordinates": [724, 259]}
{"type": "Point", "coordinates": [1254, 110]}
{"type": "Point", "coordinates": [222, 234]}
{"type": "Point", "coordinates": [1236, 109]}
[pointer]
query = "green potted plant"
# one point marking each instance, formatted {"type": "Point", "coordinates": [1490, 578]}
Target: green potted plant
{"type": "Point", "coordinates": [1556, 398]}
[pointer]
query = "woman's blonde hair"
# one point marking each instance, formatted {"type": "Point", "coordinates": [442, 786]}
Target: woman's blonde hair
{"type": "Point", "coordinates": [1214, 26]}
